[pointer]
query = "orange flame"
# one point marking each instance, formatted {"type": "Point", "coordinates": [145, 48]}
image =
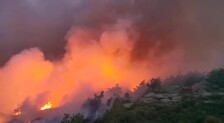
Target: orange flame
{"type": "Point", "coordinates": [18, 113]}
{"type": "Point", "coordinates": [46, 106]}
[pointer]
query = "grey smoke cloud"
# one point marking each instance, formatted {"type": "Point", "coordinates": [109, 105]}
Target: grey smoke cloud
{"type": "Point", "coordinates": [193, 28]}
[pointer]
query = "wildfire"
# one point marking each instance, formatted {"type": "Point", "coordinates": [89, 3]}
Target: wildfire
{"type": "Point", "coordinates": [46, 106]}
{"type": "Point", "coordinates": [17, 112]}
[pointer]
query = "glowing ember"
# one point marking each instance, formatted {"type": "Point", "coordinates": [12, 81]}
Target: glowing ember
{"type": "Point", "coordinates": [46, 106]}
{"type": "Point", "coordinates": [18, 113]}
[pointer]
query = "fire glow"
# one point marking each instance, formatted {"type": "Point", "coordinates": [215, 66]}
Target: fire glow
{"type": "Point", "coordinates": [18, 113]}
{"type": "Point", "coordinates": [46, 106]}
{"type": "Point", "coordinates": [95, 66]}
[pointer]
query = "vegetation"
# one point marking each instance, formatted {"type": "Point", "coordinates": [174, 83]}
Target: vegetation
{"type": "Point", "coordinates": [216, 79]}
{"type": "Point", "coordinates": [191, 109]}
{"type": "Point", "coordinates": [188, 111]}
{"type": "Point", "coordinates": [155, 83]}
{"type": "Point", "coordinates": [187, 79]}
{"type": "Point", "coordinates": [192, 79]}
{"type": "Point", "coordinates": [78, 118]}
{"type": "Point", "coordinates": [212, 119]}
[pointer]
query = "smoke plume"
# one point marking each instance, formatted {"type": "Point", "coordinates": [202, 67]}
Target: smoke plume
{"type": "Point", "coordinates": [53, 50]}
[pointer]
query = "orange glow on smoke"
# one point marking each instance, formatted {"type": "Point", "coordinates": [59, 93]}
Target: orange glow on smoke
{"type": "Point", "coordinates": [93, 66]}
{"type": "Point", "coordinates": [46, 106]}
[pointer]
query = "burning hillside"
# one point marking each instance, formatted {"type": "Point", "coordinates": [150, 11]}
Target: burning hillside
{"type": "Point", "coordinates": [55, 54]}
{"type": "Point", "coordinates": [85, 69]}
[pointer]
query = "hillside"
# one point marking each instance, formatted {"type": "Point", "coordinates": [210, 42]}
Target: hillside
{"type": "Point", "coordinates": [194, 101]}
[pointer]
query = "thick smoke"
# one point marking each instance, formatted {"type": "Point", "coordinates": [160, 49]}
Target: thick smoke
{"type": "Point", "coordinates": [58, 49]}
{"type": "Point", "coordinates": [192, 28]}
{"type": "Point", "coordinates": [88, 66]}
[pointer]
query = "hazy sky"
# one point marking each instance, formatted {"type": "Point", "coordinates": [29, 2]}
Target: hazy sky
{"type": "Point", "coordinates": [196, 27]}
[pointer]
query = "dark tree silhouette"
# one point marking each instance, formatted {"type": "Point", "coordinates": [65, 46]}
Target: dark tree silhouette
{"type": "Point", "coordinates": [155, 83]}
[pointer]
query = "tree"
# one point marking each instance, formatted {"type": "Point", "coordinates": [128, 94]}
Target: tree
{"type": "Point", "coordinates": [192, 78]}
{"type": "Point", "coordinates": [126, 95]}
{"type": "Point", "coordinates": [216, 78]}
{"type": "Point", "coordinates": [155, 83]}
{"type": "Point", "coordinates": [93, 105]}
{"type": "Point", "coordinates": [115, 91]}
{"type": "Point", "coordinates": [140, 90]}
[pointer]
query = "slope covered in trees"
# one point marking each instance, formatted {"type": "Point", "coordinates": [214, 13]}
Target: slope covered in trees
{"type": "Point", "coordinates": [158, 105]}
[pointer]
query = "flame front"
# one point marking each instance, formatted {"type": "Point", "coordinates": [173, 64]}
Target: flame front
{"type": "Point", "coordinates": [46, 106]}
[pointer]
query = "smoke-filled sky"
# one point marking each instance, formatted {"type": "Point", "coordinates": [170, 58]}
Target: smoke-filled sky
{"type": "Point", "coordinates": [194, 26]}
{"type": "Point", "coordinates": [61, 46]}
